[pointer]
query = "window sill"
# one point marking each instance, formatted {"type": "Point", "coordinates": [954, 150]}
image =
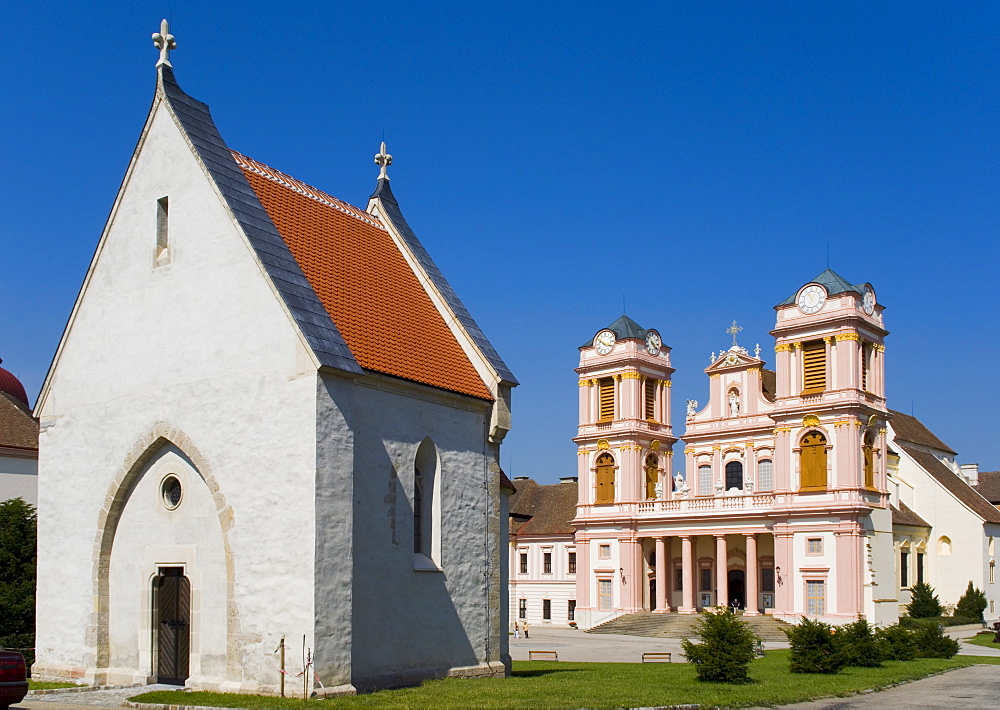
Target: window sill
{"type": "Point", "coordinates": [423, 563]}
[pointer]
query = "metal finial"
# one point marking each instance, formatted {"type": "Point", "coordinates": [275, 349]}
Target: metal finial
{"type": "Point", "coordinates": [164, 41]}
{"type": "Point", "coordinates": [383, 160]}
{"type": "Point", "coordinates": [733, 330]}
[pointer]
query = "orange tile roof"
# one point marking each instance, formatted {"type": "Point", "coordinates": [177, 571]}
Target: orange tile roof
{"type": "Point", "coordinates": [364, 283]}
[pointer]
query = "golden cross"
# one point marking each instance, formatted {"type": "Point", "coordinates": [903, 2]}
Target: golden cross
{"type": "Point", "coordinates": [734, 329]}
{"type": "Point", "coordinates": [164, 41]}
{"type": "Point", "coordinates": [383, 160]}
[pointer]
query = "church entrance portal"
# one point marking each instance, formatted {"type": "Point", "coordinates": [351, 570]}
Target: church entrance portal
{"type": "Point", "coordinates": [172, 602]}
{"type": "Point", "coordinates": [737, 588]}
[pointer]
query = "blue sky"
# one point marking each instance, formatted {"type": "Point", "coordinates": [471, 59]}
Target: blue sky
{"type": "Point", "coordinates": [693, 159]}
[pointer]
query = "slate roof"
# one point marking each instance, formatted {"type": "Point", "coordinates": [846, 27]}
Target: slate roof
{"type": "Point", "coordinates": [904, 516]}
{"type": "Point", "coordinates": [833, 282]}
{"type": "Point", "coordinates": [989, 486]}
{"type": "Point", "coordinates": [911, 429]}
{"type": "Point", "coordinates": [548, 508]}
{"type": "Point", "coordinates": [954, 483]}
{"type": "Point", "coordinates": [346, 284]}
{"type": "Point", "coordinates": [18, 429]}
{"type": "Point", "coordinates": [624, 327]}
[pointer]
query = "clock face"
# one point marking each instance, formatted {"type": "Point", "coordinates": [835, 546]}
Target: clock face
{"type": "Point", "coordinates": [653, 342]}
{"type": "Point", "coordinates": [604, 341]}
{"type": "Point", "coordinates": [868, 300]}
{"type": "Point", "coordinates": [811, 299]}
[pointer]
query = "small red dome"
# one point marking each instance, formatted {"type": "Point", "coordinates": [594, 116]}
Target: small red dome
{"type": "Point", "coordinates": [12, 386]}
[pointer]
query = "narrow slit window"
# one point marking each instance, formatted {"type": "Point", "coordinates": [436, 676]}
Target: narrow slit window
{"type": "Point", "coordinates": [162, 231]}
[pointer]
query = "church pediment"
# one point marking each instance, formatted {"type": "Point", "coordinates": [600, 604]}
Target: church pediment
{"type": "Point", "coordinates": [735, 358]}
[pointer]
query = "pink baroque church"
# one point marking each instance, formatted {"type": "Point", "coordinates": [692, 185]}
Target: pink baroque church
{"type": "Point", "coordinates": [801, 485]}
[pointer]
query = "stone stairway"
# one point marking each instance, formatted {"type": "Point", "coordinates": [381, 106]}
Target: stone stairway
{"type": "Point", "coordinates": [676, 626]}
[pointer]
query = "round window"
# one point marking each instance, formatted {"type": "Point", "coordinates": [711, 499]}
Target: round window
{"type": "Point", "coordinates": [170, 489]}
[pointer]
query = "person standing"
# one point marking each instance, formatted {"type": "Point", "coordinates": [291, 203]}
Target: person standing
{"type": "Point", "coordinates": [517, 629]}
{"type": "Point", "coordinates": [524, 627]}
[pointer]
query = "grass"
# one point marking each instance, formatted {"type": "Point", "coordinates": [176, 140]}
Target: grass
{"type": "Point", "coordinates": [47, 685]}
{"type": "Point", "coordinates": [606, 685]}
{"type": "Point", "coordinates": [983, 640]}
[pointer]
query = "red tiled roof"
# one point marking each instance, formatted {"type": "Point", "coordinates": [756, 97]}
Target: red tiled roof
{"type": "Point", "coordinates": [18, 429]}
{"type": "Point", "coordinates": [954, 483]}
{"type": "Point", "coordinates": [365, 284]}
{"type": "Point", "coordinates": [909, 428]}
{"type": "Point", "coordinates": [548, 508]}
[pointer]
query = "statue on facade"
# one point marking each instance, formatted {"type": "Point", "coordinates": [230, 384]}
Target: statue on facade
{"type": "Point", "coordinates": [680, 485]}
{"type": "Point", "coordinates": [658, 490]}
{"type": "Point", "coordinates": [692, 407]}
{"type": "Point", "coordinates": [734, 404]}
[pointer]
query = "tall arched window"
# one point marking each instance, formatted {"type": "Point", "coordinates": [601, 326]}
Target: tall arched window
{"type": "Point", "coordinates": [734, 475]}
{"type": "Point", "coordinates": [812, 462]}
{"type": "Point", "coordinates": [605, 475]}
{"type": "Point", "coordinates": [652, 475]}
{"type": "Point", "coordinates": [765, 475]}
{"type": "Point", "coordinates": [868, 449]}
{"type": "Point", "coordinates": [426, 503]}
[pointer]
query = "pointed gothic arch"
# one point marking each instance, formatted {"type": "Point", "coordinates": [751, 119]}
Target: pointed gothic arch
{"type": "Point", "coordinates": [161, 436]}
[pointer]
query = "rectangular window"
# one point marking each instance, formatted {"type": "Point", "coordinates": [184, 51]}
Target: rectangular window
{"type": "Point", "coordinates": [814, 546]}
{"type": "Point", "coordinates": [815, 597]}
{"type": "Point", "coordinates": [993, 567]}
{"type": "Point", "coordinates": [606, 390]}
{"type": "Point", "coordinates": [571, 563]}
{"type": "Point", "coordinates": [522, 608]}
{"type": "Point", "coordinates": [524, 563]}
{"type": "Point", "coordinates": [904, 569]}
{"type": "Point", "coordinates": [547, 563]}
{"type": "Point", "coordinates": [604, 552]}
{"type": "Point", "coordinates": [604, 594]}
{"type": "Point", "coordinates": [813, 366]}
{"type": "Point", "coordinates": [547, 609]}
{"type": "Point", "coordinates": [650, 400]}
{"type": "Point", "coordinates": [704, 480]}
{"type": "Point", "coordinates": [765, 476]}
{"type": "Point", "coordinates": [920, 568]}
{"type": "Point", "coordinates": [706, 579]}
{"type": "Point", "coordinates": [767, 579]}
{"type": "Point", "coordinates": [571, 610]}
{"type": "Point", "coordinates": [678, 579]}
{"type": "Point", "coordinates": [866, 349]}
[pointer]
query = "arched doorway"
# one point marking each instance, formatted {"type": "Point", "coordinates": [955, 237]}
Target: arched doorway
{"type": "Point", "coordinates": [737, 586]}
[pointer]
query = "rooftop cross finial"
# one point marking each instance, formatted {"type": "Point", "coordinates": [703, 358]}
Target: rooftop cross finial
{"type": "Point", "coordinates": [733, 330]}
{"type": "Point", "coordinates": [383, 160]}
{"type": "Point", "coordinates": [164, 41]}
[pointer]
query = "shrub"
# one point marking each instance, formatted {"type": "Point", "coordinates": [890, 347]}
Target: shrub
{"type": "Point", "coordinates": [857, 644]}
{"type": "Point", "coordinates": [935, 621]}
{"type": "Point", "coordinates": [972, 604]}
{"type": "Point", "coordinates": [815, 648]}
{"type": "Point", "coordinates": [726, 648]}
{"type": "Point", "coordinates": [17, 575]}
{"type": "Point", "coordinates": [931, 642]}
{"type": "Point", "coordinates": [895, 643]}
{"type": "Point", "coordinates": [923, 602]}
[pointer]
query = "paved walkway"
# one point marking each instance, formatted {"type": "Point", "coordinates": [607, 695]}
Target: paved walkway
{"type": "Point", "coordinates": [86, 698]}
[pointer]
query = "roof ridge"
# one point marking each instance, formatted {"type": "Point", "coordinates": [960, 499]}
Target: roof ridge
{"type": "Point", "coordinates": [304, 189]}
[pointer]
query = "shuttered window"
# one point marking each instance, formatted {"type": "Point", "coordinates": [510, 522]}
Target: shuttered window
{"type": "Point", "coordinates": [813, 366]}
{"type": "Point", "coordinates": [650, 400]}
{"type": "Point", "coordinates": [606, 388]}
{"type": "Point", "coordinates": [812, 462]}
{"type": "Point", "coordinates": [605, 473]}
{"type": "Point", "coordinates": [866, 350]}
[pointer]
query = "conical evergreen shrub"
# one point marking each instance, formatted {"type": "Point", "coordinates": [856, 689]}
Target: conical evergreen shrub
{"type": "Point", "coordinates": [815, 648]}
{"type": "Point", "coordinates": [923, 602]}
{"type": "Point", "coordinates": [857, 644]}
{"type": "Point", "coordinates": [726, 648]}
{"type": "Point", "coordinates": [972, 604]}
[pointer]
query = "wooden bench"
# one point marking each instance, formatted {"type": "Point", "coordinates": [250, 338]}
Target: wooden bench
{"type": "Point", "coordinates": [543, 656]}
{"type": "Point", "coordinates": [655, 657]}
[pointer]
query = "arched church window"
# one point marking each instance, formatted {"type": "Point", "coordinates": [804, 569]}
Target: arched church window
{"type": "Point", "coordinates": [812, 462]}
{"type": "Point", "coordinates": [734, 475]}
{"type": "Point", "coordinates": [868, 450]}
{"type": "Point", "coordinates": [765, 475]}
{"type": "Point", "coordinates": [704, 480]}
{"type": "Point", "coordinates": [426, 503]}
{"type": "Point", "coordinates": [652, 475]}
{"type": "Point", "coordinates": [605, 475]}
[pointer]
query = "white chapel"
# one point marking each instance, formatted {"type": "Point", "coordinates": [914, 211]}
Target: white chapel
{"type": "Point", "coordinates": [269, 416]}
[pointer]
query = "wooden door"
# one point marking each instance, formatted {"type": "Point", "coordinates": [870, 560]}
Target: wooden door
{"type": "Point", "coordinates": [173, 633]}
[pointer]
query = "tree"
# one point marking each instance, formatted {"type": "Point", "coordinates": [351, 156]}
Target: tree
{"type": "Point", "coordinates": [726, 648]}
{"type": "Point", "coordinates": [924, 603]}
{"type": "Point", "coordinates": [815, 648]}
{"type": "Point", "coordinates": [18, 523]}
{"type": "Point", "coordinates": [858, 645]}
{"type": "Point", "coordinates": [972, 604]}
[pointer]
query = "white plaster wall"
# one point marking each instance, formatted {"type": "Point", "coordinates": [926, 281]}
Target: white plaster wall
{"type": "Point", "coordinates": [408, 621]}
{"type": "Point", "coordinates": [203, 345]}
{"type": "Point", "coordinates": [19, 478]}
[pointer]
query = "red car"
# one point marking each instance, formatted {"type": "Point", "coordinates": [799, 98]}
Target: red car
{"type": "Point", "coordinates": [13, 678]}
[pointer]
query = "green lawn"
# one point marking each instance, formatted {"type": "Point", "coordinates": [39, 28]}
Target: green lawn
{"type": "Point", "coordinates": [983, 640]}
{"type": "Point", "coordinates": [47, 685]}
{"type": "Point", "coordinates": [607, 685]}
